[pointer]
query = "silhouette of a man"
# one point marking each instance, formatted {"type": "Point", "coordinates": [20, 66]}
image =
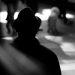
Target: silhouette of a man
{"type": "Point", "coordinates": [27, 26]}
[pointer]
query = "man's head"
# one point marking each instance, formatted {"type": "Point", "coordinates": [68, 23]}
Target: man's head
{"type": "Point", "coordinates": [26, 23]}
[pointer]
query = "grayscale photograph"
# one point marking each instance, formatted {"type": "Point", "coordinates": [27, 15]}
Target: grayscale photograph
{"type": "Point", "coordinates": [37, 37]}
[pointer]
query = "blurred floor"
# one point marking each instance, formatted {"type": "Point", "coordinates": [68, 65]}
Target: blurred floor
{"type": "Point", "coordinates": [67, 65]}
{"type": "Point", "coordinates": [66, 58]}
{"type": "Point", "coordinates": [15, 61]}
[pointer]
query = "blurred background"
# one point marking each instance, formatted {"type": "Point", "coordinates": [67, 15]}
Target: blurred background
{"type": "Point", "coordinates": [9, 10]}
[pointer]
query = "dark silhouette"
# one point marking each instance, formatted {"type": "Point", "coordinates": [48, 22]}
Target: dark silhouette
{"type": "Point", "coordinates": [27, 26]}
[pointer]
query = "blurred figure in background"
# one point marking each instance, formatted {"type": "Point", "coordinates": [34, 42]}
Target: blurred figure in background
{"type": "Point", "coordinates": [52, 21]}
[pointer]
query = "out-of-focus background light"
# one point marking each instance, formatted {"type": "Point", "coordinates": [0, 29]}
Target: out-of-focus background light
{"type": "Point", "coordinates": [44, 15]}
{"type": "Point", "coordinates": [67, 67]}
{"type": "Point", "coordinates": [46, 12]}
{"type": "Point", "coordinates": [16, 15]}
{"type": "Point", "coordinates": [8, 38]}
{"type": "Point", "coordinates": [68, 15]}
{"type": "Point", "coordinates": [3, 16]}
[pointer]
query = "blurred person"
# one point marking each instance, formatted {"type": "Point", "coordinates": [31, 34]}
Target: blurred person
{"type": "Point", "coordinates": [10, 18]}
{"type": "Point", "coordinates": [62, 33]}
{"type": "Point", "coordinates": [27, 27]}
{"type": "Point", "coordinates": [52, 21]}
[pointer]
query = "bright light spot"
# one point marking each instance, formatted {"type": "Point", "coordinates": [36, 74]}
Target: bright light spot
{"type": "Point", "coordinates": [3, 16]}
{"type": "Point", "coordinates": [68, 47]}
{"type": "Point", "coordinates": [65, 67]}
{"type": "Point", "coordinates": [69, 16]}
{"type": "Point", "coordinates": [57, 40]}
{"type": "Point", "coordinates": [44, 15]}
{"type": "Point", "coordinates": [46, 12]}
{"type": "Point", "coordinates": [16, 15]}
{"type": "Point", "coordinates": [8, 38]}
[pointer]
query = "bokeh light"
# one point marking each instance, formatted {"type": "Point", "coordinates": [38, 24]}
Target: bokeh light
{"type": "Point", "coordinates": [16, 15]}
{"type": "Point", "coordinates": [44, 15]}
{"type": "Point", "coordinates": [68, 15]}
{"type": "Point", "coordinates": [3, 16]}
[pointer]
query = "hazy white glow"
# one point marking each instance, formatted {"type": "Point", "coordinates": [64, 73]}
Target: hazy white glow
{"type": "Point", "coordinates": [44, 15]}
{"type": "Point", "coordinates": [65, 67]}
{"type": "Point", "coordinates": [68, 47]}
{"type": "Point", "coordinates": [65, 46]}
{"type": "Point", "coordinates": [64, 61]}
{"type": "Point", "coordinates": [54, 39]}
{"type": "Point", "coordinates": [46, 12]}
{"type": "Point", "coordinates": [8, 38]}
{"type": "Point", "coordinates": [16, 15]}
{"type": "Point", "coordinates": [69, 15]}
{"type": "Point", "coordinates": [3, 16]}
